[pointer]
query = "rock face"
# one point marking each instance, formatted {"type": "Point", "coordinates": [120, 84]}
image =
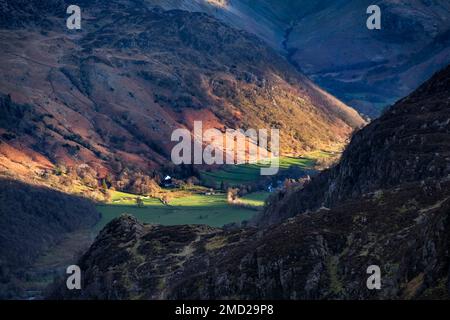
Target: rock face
{"type": "Point", "coordinates": [398, 221]}
{"type": "Point", "coordinates": [111, 94]}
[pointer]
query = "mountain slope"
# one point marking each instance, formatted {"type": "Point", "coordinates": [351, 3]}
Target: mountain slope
{"type": "Point", "coordinates": [399, 222]}
{"type": "Point", "coordinates": [372, 69]}
{"type": "Point", "coordinates": [329, 41]}
{"type": "Point", "coordinates": [110, 95]}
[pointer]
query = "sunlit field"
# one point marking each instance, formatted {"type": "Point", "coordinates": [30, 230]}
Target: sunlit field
{"type": "Point", "coordinates": [196, 205]}
{"type": "Point", "coordinates": [211, 210]}
{"type": "Point", "coordinates": [246, 173]}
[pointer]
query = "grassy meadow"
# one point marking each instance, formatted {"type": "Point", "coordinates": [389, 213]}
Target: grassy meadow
{"type": "Point", "coordinates": [211, 210]}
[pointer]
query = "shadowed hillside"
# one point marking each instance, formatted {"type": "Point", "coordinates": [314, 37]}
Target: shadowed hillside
{"type": "Point", "coordinates": [409, 143]}
{"type": "Point", "coordinates": [32, 221]}
{"type": "Point", "coordinates": [329, 41]}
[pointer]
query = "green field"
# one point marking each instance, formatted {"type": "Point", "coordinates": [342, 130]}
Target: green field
{"type": "Point", "coordinates": [212, 210]}
{"type": "Point", "coordinates": [241, 174]}
{"type": "Point", "coordinates": [193, 206]}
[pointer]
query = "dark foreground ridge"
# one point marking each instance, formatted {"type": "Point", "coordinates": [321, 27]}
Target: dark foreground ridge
{"type": "Point", "coordinates": [388, 206]}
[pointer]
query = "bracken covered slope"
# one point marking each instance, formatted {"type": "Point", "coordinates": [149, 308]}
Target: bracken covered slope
{"type": "Point", "coordinates": [381, 213]}
{"type": "Point", "coordinates": [110, 95]}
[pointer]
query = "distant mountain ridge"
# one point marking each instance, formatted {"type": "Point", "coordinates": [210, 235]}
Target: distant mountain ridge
{"type": "Point", "coordinates": [328, 40]}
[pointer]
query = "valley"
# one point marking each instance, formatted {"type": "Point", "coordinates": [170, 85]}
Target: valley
{"type": "Point", "coordinates": [312, 242]}
{"type": "Point", "coordinates": [174, 206]}
{"type": "Point", "coordinates": [208, 203]}
{"type": "Point", "coordinates": [108, 135]}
